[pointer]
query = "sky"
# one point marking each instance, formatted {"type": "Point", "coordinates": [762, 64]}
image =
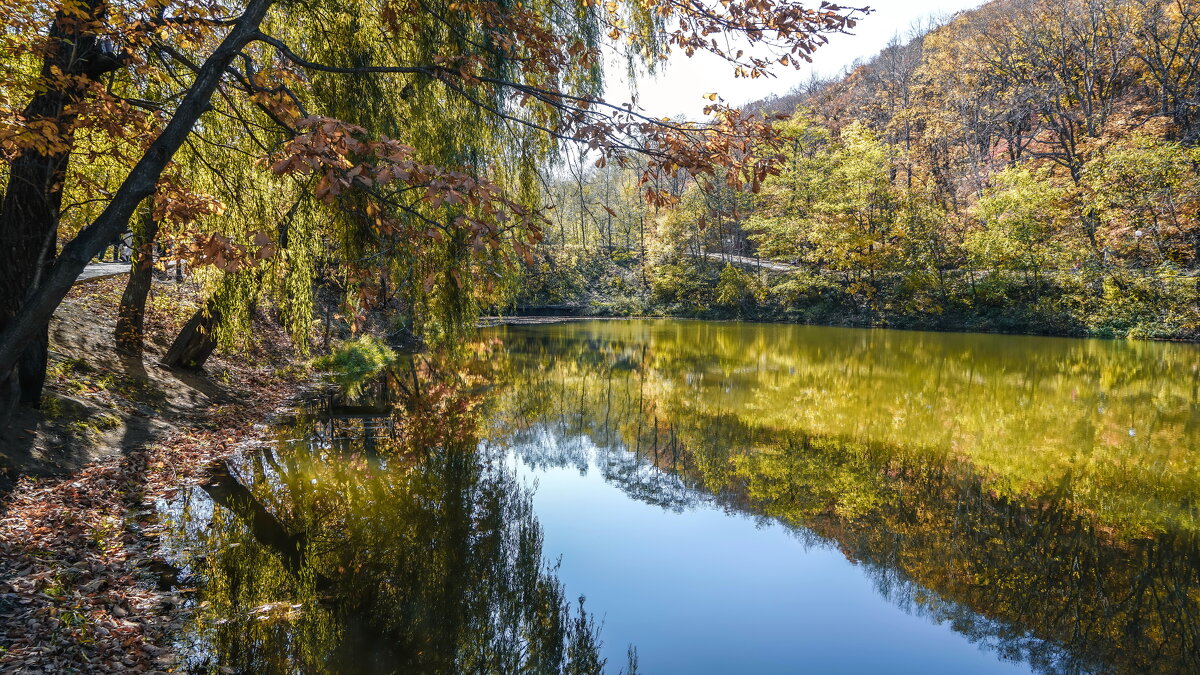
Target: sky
{"type": "Point", "coordinates": [678, 89]}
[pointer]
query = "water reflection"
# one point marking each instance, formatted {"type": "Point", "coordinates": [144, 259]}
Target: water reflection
{"type": "Point", "coordinates": [962, 503]}
{"type": "Point", "coordinates": [1037, 495]}
{"type": "Point", "coordinates": [350, 542]}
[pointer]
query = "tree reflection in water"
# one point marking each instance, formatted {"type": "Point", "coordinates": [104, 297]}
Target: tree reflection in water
{"type": "Point", "coordinates": [994, 490]}
{"type": "Point", "coordinates": [348, 542]}
{"type": "Point", "coordinates": [1038, 496]}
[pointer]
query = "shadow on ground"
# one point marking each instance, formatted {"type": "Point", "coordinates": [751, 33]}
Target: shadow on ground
{"type": "Point", "coordinates": [100, 402]}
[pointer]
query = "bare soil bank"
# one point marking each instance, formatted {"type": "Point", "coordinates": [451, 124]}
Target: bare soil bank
{"type": "Point", "coordinates": [82, 588]}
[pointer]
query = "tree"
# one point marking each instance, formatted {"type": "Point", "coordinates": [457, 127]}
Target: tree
{"type": "Point", "coordinates": [835, 205]}
{"type": "Point", "coordinates": [129, 334]}
{"type": "Point", "coordinates": [788, 200]}
{"type": "Point", "coordinates": [1167, 42]}
{"type": "Point", "coordinates": [74, 56]}
{"type": "Point", "coordinates": [533, 66]}
{"type": "Point", "coordinates": [1018, 218]}
{"type": "Point", "coordinates": [1148, 195]}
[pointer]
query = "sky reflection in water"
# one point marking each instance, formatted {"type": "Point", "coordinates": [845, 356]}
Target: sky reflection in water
{"type": "Point", "coordinates": [705, 590]}
{"type": "Point", "coordinates": [729, 498]}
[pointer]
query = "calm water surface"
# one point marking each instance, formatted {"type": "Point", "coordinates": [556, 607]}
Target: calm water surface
{"type": "Point", "coordinates": [727, 497]}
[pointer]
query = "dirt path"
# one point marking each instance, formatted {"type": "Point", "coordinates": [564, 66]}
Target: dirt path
{"type": "Point", "coordinates": [743, 261]}
{"type": "Point", "coordinates": [96, 271]}
{"type": "Point", "coordinates": [100, 402]}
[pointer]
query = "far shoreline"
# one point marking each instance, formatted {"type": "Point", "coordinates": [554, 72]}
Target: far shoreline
{"type": "Point", "coordinates": [493, 321]}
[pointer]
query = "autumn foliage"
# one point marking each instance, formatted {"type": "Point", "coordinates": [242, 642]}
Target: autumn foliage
{"type": "Point", "coordinates": [1027, 166]}
{"type": "Point", "coordinates": [397, 142]}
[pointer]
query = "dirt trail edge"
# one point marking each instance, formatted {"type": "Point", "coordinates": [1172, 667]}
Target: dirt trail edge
{"type": "Point", "coordinates": [80, 581]}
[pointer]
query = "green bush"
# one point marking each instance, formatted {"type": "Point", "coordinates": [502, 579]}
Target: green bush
{"type": "Point", "coordinates": [352, 361]}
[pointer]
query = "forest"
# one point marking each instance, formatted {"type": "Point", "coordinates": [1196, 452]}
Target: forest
{"type": "Point", "coordinates": [1029, 166]}
{"type": "Point", "coordinates": [388, 152]}
{"type": "Point", "coordinates": [292, 292]}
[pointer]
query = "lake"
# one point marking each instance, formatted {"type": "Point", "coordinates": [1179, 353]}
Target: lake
{"type": "Point", "coordinates": [698, 497]}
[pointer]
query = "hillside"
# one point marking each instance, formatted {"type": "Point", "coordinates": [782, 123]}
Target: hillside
{"type": "Point", "coordinates": [1029, 166]}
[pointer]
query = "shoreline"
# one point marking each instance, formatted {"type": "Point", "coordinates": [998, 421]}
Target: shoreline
{"type": "Point", "coordinates": [81, 574]}
{"type": "Point", "coordinates": [81, 570]}
{"type": "Point", "coordinates": [82, 588]}
{"type": "Point", "coordinates": [538, 320]}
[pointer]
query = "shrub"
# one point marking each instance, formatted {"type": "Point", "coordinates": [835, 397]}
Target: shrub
{"type": "Point", "coordinates": [352, 361]}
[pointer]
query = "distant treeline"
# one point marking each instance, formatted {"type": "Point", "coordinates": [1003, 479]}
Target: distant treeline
{"type": "Point", "coordinates": [1028, 166]}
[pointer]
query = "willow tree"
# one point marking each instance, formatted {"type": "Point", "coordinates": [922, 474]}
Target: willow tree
{"type": "Point", "coordinates": [531, 70]}
{"type": "Point", "coordinates": [258, 242]}
{"type": "Point", "coordinates": [73, 57]}
{"type": "Point", "coordinates": [76, 113]}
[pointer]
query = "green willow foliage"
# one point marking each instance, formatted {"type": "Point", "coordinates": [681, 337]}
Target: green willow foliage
{"type": "Point", "coordinates": [438, 296]}
{"type": "Point", "coordinates": [254, 203]}
{"type": "Point", "coordinates": [435, 286]}
{"type": "Point", "coordinates": [368, 554]}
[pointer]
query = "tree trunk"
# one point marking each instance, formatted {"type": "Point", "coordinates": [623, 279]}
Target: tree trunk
{"type": "Point", "coordinates": [33, 197]}
{"type": "Point", "coordinates": [226, 491]}
{"type": "Point", "coordinates": [129, 336]}
{"type": "Point", "coordinates": [39, 305]}
{"type": "Point", "coordinates": [28, 238]}
{"type": "Point", "coordinates": [196, 342]}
